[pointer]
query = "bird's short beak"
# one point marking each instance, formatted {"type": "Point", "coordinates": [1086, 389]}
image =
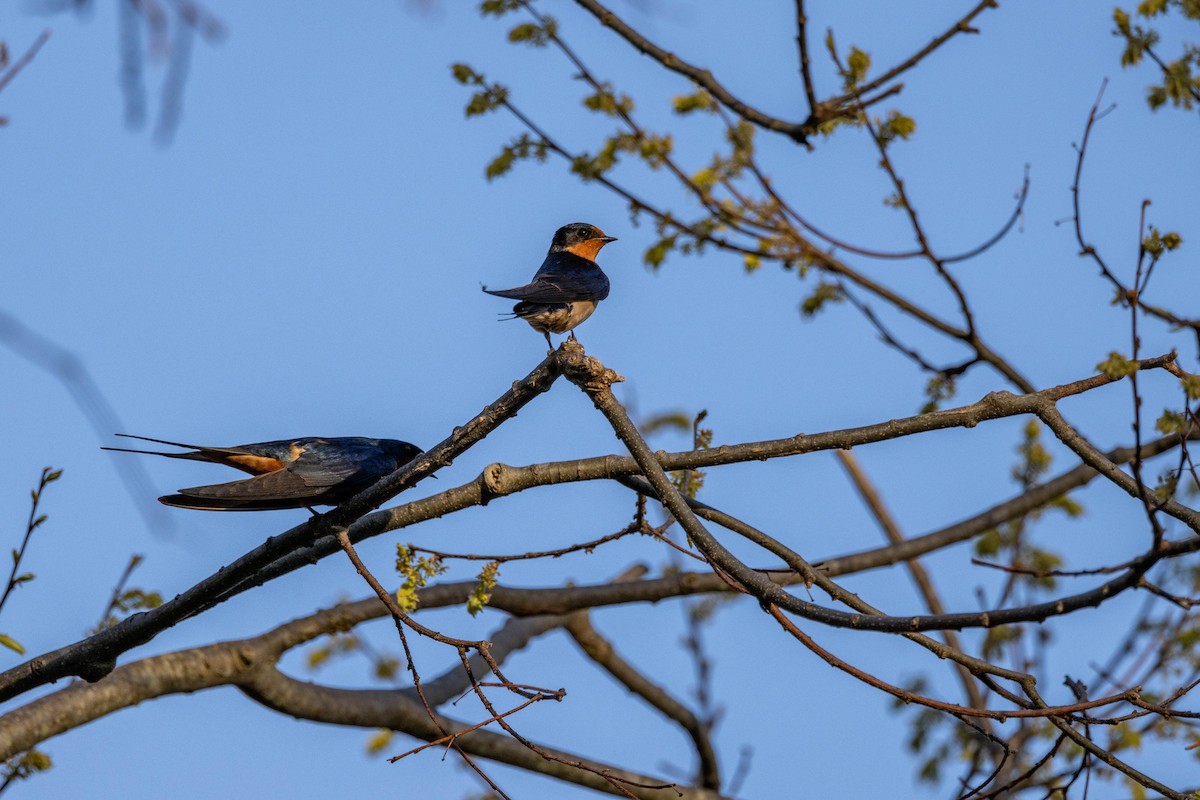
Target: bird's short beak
{"type": "Point", "coordinates": [606, 239]}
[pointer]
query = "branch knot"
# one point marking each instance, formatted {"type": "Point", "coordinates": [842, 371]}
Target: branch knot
{"type": "Point", "coordinates": [583, 370]}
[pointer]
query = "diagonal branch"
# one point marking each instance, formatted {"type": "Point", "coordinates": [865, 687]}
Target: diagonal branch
{"type": "Point", "coordinates": [963, 25]}
{"type": "Point", "coordinates": [498, 480]}
{"type": "Point", "coordinates": [702, 77]}
{"type": "Point", "coordinates": [96, 656]}
{"type": "Point", "coordinates": [24, 60]}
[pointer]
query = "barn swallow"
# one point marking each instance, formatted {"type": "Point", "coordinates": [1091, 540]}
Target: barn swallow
{"type": "Point", "coordinates": [289, 473]}
{"type": "Point", "coordinates": [567, 286]}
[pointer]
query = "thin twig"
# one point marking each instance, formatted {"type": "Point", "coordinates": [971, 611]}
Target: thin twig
{"type": "Point", "coordinates": [24, 60]}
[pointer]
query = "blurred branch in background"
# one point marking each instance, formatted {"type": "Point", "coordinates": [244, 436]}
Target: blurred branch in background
{"type": "Point", "coordinates": [67, 368]}
{"type": "Point", "coordinates": [10, 69]}
{"type": "Point", "coordinates": [160, 34]}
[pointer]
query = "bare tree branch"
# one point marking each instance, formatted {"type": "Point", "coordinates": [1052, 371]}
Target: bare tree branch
{"type": "Point", "coordinates": [251, 665]}
{"type": "Point", "coordinates": [601, 651]}
{"type": "Point", "coordinates": [702, 77]}
{"type": "Point", "coordinates": [96, 656]}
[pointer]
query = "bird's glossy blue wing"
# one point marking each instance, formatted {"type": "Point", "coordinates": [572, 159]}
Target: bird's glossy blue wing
{"type": "Point", "coordinates": [562, 278]}
{"type": "Point", "coordinates": [326, 463]}
{"type": "Point", "coordinates": [561, 288]}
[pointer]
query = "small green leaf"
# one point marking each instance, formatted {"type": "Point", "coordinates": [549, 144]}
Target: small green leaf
{"type": "Point", "coordinates": [500, 164]}
{"type": "Point", "coordinates": [1117, 366]}
{"type": "Point", "coordinates": [1035, 458]}
{"type": "Point", "coordinates": [464, 74]}
{"type": "Point", "coordinates": [939, 389]}
{"type": "Point", "coordinates": [1191, 386]}
{"type": "Point", "coordinates": [673, 420]}
{"type": "Point", "coordinates": [989, 544]}
{"type": "Point", "coordinates": [1170, 422]}
{"type": "Point", "coordinates": [700, 101]}
{"type": "Point", "coordinates": [532, 34]}
{"type": "Point", "coordinates": [606, 101]}
{"type": "Point", "coordinates": [484, 584]}
{"type": "Point", "coordinates": [379, 741]}
{"type": "Point", "coordinates": [997, 639]}
{"type": "Point", "coordinates": [416, 572]}
{"type": "Point", "coordinates": [318, 656]}
{"type": "Point", "coordinates": [895, 126]}
{"type": "Point", "coordinates": [1124, 736]}
{"type": "Point", "coordinates": [656, 254]}
{"type": "Point", "coordinates": [823, 294]}
{"type": "Point", "coordinates": [1121, 18]}
{"type": "Point", "coordinates": [1067, 505]}
{"type": "Point", "coordinates": [11, 643]}
{"type": "Point", "coordinates": [1149, 8]}
{"type": "Point", "coordinates": [386, 668]}
{"type": "Point", "coordinates": [25, 766]}
{"type": "Point", "coordinates": [487, 100]}
{"type": "Point", "coordinates": [858, 63]}
{"type": "Point", "coordinates": [497, 8]}
{"type": "Point", "coordinates": [705, 178]}
{"type": "Point", "coordinates": [655, 149]}
{"type": "Point", "coordinates": [1168, 484]}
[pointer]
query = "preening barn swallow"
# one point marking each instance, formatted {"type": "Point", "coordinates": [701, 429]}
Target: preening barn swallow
{"type": "Point", "coordinates": [567, 286]}
{"type": "Point", "coordinates": [288, 473]}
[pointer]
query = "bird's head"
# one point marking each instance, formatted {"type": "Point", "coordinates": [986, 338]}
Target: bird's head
{"type": "Point", "coordinates": [581, 239]}
{"type": "Point", "coordinates": [403, 452]}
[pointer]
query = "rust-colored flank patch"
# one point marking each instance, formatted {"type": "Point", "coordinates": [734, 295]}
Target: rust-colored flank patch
{"type": "Point", "coordinates": [255, 465]}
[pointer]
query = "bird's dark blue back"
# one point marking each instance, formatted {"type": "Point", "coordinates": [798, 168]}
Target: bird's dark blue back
{"type": "Point", "coordinates": [574, 277]}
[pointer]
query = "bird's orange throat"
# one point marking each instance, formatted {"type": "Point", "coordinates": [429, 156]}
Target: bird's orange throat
{"type": "Point", "coordinates": [588, 249]}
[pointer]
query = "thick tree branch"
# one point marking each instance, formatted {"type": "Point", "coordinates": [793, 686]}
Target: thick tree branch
{"type": "Point", "coordinates": [391, 710]}
{"type": "Point", "coordinates": [304, 545]}
{"type": "Point", "coordinates": [250, 664]}
{"type": "Point", "coordinates": [94, 657]}
{"type": "Point", "coordinates": [498, 480]}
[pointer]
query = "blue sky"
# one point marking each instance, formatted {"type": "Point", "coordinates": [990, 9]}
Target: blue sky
{"type": "Point", "coordinates": [305, 259]}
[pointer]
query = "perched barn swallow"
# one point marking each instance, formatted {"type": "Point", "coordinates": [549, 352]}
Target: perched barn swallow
{"type": "Point", "coordinates": [567, 286]}
{"type": "Point", "coordinates": [289, 473]}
